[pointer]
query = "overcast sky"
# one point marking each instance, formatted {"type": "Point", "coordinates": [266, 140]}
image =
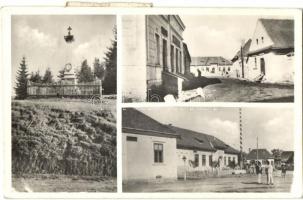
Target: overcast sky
{"type": "Point", "coordinates": [41, 40]}
{"type": "Point", "coordinates": [273, 126]}
{"type": "Point", "coordinates": [218, 35]}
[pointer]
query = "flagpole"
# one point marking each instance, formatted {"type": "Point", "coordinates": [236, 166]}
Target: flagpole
{"type": "Point", "coordinates": [257, 149]}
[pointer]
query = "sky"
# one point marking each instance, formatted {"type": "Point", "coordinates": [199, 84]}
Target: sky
{"type": "Point", "coordinates": [215, 35]}
{"type": "Point", "coordinates": [40, 38]}
{"type": "Point", "coordinates": [272, 126]}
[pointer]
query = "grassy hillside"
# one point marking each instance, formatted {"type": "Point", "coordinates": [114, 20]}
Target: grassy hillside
{"type": "Point", "coordinates": [63, 137]}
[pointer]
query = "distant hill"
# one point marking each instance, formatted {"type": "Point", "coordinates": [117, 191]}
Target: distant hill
{"type": "Point", "coordinates": [51, 138]}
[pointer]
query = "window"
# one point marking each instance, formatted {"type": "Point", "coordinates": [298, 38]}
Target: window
{"type": "Point", "coordinates": [177, 60]}
{"type": "Point", "coordinates": [224, 160]}
{"type": "Point", "coordinates": [158, 153]}
{"type": "Point", "coordinates": [196, 160]}
{"type": "Point", "coordinates": [228, 68]}
{"type": "Point", "coordinates": [164, 54]}
{"type": "Point", "coordinates": [210, 160]}
{"type": "Point", "coordinates": [213, 70]}
{"type": "Point", "coordinates": [203, 160]}
{"type": "Point", "coordinates": [172, 55]}
{"type": "Point", "coordinates": [257, 41]}
{"type": "Point", "coordinates": [207, 69]}
{"type": "Point", "coordinates": [262, 38]}
{"type": "Point", "coordinates": [219, 68]}
{"type": "Point", "coordinates": [131, 138]}
{"type": "Point", "coordinates": [157, 49]}
{"type": "Point", "coordinates": [228, 160]}
{"type": "Point", "coordinates": [234, 159]}
{"type": "Point", "coordinates": [180, 62]}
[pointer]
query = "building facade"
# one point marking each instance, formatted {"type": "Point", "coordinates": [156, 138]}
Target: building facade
{"type": "Point", "coordinates": [269, 56]}
{"type": "Point", "coordinates": [152, 150]}
{"type": "Point", "coordinates": [154, 48]}
{"type": "Point", "coordinates": [261, 155]}
{"type": "Point", "coordinates": [211, 67]}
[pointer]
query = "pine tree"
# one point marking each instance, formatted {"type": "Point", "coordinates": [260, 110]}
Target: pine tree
{"type": "Point", "coordinates": [48, 76]}
{"type": "Point", "coordinates": [35, 77]}
{"type": "Point", "coordinates": [98, 69]}
{"type": "Point", "coordinates": [21, 85]}
{"type": "Point", "coordinates": [85, 74]}
{"type": "Point", "coordinates": [110, 80]}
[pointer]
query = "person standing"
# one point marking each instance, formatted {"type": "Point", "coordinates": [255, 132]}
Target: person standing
{"type": "Point", "coordinates": [259, 171]}
{"type": "Point", "coordinates": [270, 174]}
{"type": "Point", "coordinates": [283, 170]}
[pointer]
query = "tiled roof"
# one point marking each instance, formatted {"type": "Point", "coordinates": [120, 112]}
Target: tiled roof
{"type": "Point", "coordinates": [207, 61]}
{"type": "Point", "coordinates": [134, 121]}
{"type": "Point", "coordinates": [281, 31]}
{"type": "Point", "coordinates": [245, 50]}
{"type": "Point", "coordinates": [263, 154]}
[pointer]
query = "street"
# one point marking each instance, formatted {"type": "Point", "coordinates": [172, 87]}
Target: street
{"type": "Point", "coordinates": [231, 183]}
{"type": "Point", "coordinates": [233, 90]}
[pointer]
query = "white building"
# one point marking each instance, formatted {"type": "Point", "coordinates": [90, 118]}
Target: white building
{"type": "Point", "coordinates": [154, 58]}
{"type": "Point", "coordinates": [261, 155]}
{"type": "Point", "coordinates": [149, 148]}
{"type": "Point", "coordinates": [271, 53]}
{"type": "Point", "coordinates": [211, 66]}
{"type": "Point", "coordinates": [152, 150]}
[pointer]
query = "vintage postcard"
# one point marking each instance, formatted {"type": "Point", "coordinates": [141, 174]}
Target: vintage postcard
{"type": "Point", "coordinates": [151, 102]}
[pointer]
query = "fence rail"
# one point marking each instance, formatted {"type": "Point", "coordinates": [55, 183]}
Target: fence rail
{"type": "Point", "coordinates": [60, 90]}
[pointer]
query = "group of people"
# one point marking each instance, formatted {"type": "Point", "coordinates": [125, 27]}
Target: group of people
{"type": "Point", "coordinates": [269, 169]}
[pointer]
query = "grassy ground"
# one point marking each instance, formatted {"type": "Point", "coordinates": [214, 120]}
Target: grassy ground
{"type": "Point", "coordinates": [61, 183]}
{"type": "Point", "coordinates": [231, 183]}
{"type": "Point", "coordinates": [233, 90]}
{"type": "Point", "coordinates": [72, 138]}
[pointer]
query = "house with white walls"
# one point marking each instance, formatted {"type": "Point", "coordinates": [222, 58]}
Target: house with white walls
{"type": "Point", "coordinates": [211, 66]}
{"type": "Point", "coordinates": [152, 150]}
{"type": "Point", "coordinates": [271, 53]}
{"type": "Point", "coordinates": [260, 155]}
{"type": "Point", "coordinates": [148, 148]}
{"type": "Point", "coordinates": [155, 58]}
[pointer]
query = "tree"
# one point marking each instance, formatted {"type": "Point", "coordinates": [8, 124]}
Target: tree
{"type": "Point", "coordinates": [98, 69]}
{"type": "Point", "coordinates": [110, 79]}
{"type": "Point", "coordinates": [21, 85]}
{"type": "Point", "coordinates": [277, 153]}
{"type": "Point", "coordinates": [35, 77]}
{"type": "Point", "coordinates": [48, 76]}
{"type": "Point", "coordinates": [85, 74]}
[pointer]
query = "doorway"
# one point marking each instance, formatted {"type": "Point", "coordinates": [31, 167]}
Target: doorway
{"type": "Point", "coordinates": [262, 65]}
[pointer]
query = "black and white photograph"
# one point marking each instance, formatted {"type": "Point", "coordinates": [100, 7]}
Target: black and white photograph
{"type": "Point", "coordinates": [208, 149]}
{"type": "Point", "coordinates": [63, 110]}
{"type": "Point", "coordinates": [208, 58]}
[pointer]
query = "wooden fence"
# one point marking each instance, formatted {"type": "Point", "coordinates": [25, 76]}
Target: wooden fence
{"type": "Point", "coordinates": [59, 89]}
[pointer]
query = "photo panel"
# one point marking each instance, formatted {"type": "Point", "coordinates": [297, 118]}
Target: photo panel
{"type": "Point", "coordinates": [208, 149]}
{"type": "Point", "coordinates": [208, 58]}
{"type": "Point", "coordinates": [63, 106]}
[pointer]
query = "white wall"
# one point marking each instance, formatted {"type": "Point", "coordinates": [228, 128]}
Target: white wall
{"type": "Point", "coordinates": [278, 68]}
{"type": "Point", "coordinates": [218, 72]}
{"type": "Point", "coordinates": [138, 158]}
{"type": "Point", "coordinates": [190, 156]}
{"type": "Point", "coordinates": [134, 57]}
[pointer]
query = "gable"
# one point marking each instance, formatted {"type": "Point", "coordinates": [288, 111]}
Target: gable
{"type": "Point", "coordinates": [257, 43]}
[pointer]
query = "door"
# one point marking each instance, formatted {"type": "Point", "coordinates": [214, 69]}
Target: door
{"type": "Point", "coordinates": [262, 63]}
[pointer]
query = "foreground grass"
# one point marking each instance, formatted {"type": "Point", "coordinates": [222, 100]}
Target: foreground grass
{"type": "Point", "coordinates": [62, 183]}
